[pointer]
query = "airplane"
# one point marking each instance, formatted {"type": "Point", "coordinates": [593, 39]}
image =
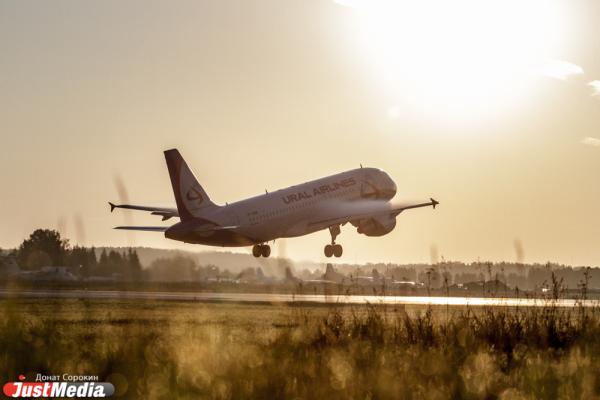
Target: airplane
{"type": "Point", "coordinates": [361, 197]}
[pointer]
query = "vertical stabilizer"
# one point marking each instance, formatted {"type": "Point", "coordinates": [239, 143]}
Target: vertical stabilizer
{"type": "Point", "coordinates": [192, 201]}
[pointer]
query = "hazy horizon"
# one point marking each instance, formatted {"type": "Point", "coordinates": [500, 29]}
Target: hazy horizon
{"type": "Point", "coordinates": [495, 116]}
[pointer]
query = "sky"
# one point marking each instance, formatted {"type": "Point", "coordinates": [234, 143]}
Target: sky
{"type": "Point", "coordinates": [491, 107]}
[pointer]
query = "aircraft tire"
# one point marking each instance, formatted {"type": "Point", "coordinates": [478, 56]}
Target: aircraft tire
{"type": "Point", "coordinates": [265, 250]}
{"type": "Point", "coordinates": [256, 250]}
{"type": "Point", "coordinates": [328, 251]}
{"type": "Point", "coordinates": [338, 250]}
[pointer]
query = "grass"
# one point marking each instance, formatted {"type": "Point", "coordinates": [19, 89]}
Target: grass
{"type": "Point", "coordinates": [195, 350]}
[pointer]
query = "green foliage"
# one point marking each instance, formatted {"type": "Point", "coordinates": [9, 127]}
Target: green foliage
{"type": "Point", "coordinates": [125, 266]}
{"type": "Point", "coordinates": [44, 247]}
{"type": "Point", "coordinates": [82, 260]}
{"type": "Point", "coordinates": [176, 268]}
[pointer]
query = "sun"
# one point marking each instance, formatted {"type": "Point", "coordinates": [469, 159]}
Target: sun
{"type": "Point", "coordinates": [458, 59]}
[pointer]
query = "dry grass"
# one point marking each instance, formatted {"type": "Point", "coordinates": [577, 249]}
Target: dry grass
{"type": "Point", "coordinates": [193, 350]}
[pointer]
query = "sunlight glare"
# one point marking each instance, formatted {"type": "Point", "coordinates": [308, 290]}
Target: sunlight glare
{"type": "Point", "coordinates": [459, 58]}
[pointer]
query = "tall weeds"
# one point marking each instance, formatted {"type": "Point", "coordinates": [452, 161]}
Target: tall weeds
{"type": "Point", "coordinates": [190, 350]}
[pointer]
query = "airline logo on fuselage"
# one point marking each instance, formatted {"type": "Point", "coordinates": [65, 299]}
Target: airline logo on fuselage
{"type": "Point", "coordinates": [318, 191]}
{"type": "Point", "coordinates": [194, 195]}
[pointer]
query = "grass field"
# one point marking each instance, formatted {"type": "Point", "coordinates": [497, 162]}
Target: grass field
{"type": "Point", "coordinates": [156, 350]}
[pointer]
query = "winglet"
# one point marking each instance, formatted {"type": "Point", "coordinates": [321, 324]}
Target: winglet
{"type": "Point", "coordinates": [112, 206]}
{"type": "Point", "coordinates": [434, 202]}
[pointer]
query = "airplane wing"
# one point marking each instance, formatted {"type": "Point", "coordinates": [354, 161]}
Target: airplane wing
{"type": "Point", "coordinates": [143, 228]}
{"type": "Point", "coordinates": [351, 211]}
{"type": "Point", "coordinates": [399, 208]}
{"type": "Point", "coordinates": [165, 213]}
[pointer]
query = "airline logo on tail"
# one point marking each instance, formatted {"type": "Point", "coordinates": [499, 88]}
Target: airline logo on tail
{"type": "Point", "coordinates": [194, 195]}
{"type": "Point", "coordinates": [190, 196]}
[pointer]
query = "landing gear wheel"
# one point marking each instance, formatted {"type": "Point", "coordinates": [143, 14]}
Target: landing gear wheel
{"type": "Point", "coordinates": [333, 249]}
{"type": "Point", "coordinates": [256, 250]}
{"type": "Point", "coordinates": [265, 250]}
{"type": "Point", "coordinates": [337, 250]}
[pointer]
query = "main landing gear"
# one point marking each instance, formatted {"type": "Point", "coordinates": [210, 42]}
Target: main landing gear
{"type": "Point", "coordinates": [334, 249]}
{"type": "Point", "coordinates": [263, 250]}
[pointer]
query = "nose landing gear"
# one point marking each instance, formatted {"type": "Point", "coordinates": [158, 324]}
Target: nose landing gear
{"type": "Point", "coordinates": [334, 249]}
{"type": "Point", "coordinates": [263, 250]}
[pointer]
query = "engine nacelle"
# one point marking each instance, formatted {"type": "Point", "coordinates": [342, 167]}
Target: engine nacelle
{"type": "Point", "coordinates": [376, 226]}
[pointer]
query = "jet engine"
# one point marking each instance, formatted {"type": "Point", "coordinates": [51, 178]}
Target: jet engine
{"type": "Point", "coordinates": [375, 226]}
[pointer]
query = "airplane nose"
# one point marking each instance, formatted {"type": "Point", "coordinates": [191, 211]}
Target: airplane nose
{"type": "Point", "coordinates": [389, 187]}
{"type": "Point", "coordinates": [393, 188]}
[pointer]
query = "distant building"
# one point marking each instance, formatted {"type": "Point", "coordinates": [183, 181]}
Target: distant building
{"type": "Point", "coordinates": [482, 286]}
{"type": "Point", "coordinates": [407, 284]}
{"type": "Point", "coordinates": [248, 275]}
{"type": "Point", "coordinates": [60, 274]}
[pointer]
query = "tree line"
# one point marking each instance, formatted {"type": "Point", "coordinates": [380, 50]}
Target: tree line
{"type": "Point", "coordinates": [46, 248]}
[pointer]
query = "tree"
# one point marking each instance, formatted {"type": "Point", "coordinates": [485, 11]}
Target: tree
{"type": "Point", "coordinates": [44, 247]}
{"type": "Point", "coordinates": [115, 262]}
{"type": "Point", "coordinates": [134, 267]}
{"type": "Point", "coordinates": [174, 269]}
{"type": "Point", "coordinates": [98, 268]}
{"type": "Point", "coordinates": [77, 257]}
{"type": "Point", "coordinates": [110, 262]}
{"type": "Point", "coordinates": [82, 260]}
{"type": "Point", "coordinates": [91, 259]}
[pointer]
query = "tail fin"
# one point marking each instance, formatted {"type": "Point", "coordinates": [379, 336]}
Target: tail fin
{"type": "Point", "coordinates": [192, 200]}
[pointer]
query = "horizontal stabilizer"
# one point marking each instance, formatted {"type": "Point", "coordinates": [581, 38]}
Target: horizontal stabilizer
{"type": "Point", "coordinates": [143, 228]}
{"type": "Point", "coordinates": [164, 212]}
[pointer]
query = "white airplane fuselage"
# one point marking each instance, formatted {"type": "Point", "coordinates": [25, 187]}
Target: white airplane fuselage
{"type": "Point", "coordinates": [294, 211]}
{"type": "Point", "coordinates": [361, 197]}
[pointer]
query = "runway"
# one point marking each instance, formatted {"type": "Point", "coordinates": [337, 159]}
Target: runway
{"type": "Point", "coordinates": [268, 298]}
